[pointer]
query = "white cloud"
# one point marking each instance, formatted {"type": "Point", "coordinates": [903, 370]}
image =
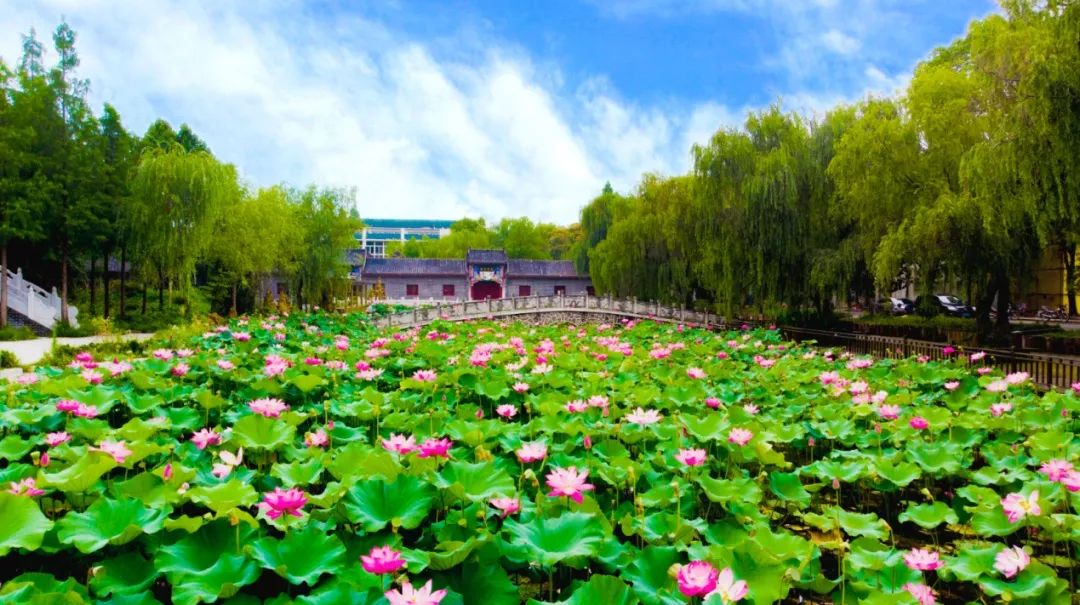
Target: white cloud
{"type": "Point", "coordinates": [840, 43]}
{"type": "Point", "coordinates": [287, 98]}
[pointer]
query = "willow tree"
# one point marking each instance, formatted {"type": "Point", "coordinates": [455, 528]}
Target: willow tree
{"type": "Point", "coordinates": [178, 196]}
{"type": "Point", "coordinates": [327, 233]}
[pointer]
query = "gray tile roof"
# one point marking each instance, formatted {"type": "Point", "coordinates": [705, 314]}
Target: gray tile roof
{"type": "Point", "coordinates": [375, 267]}
{"type": "Point", "coordinates": [541, 268]}
{"type": "Point", "coordinates": [486, 256]}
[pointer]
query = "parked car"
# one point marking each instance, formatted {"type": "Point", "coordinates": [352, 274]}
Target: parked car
{"type": "Point", "coordinates": [937, 304]}
{"type": "Point", "coordinates": [896, 306]}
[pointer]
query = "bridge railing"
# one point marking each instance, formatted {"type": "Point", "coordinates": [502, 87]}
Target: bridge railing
{"type": "Point", "coordinates": [521, 305]}
{"type": "Point", "coordinates": [36, 303]}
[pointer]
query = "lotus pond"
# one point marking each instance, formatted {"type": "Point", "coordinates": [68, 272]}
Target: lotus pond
{"type": "Point", "coordinates": [314, 460]}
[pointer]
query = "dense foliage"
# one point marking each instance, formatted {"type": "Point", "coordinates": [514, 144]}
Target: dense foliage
{"type": "Point", "coordinates": [520, 237]}
{"type": "Point", "coordinates": [960, 183]}
{"type": "Point", "coordinates": [77, 189]}
{"type": "Point", "coordinates": [309, 459]}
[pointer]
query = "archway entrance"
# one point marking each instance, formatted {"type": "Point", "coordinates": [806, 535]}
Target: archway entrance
{"type": "Point", "coordinates": [483, 290]}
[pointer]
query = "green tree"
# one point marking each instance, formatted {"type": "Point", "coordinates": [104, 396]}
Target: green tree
{"type": "Point", "coordinates": [328, 230]}
{"type": "Point", "coordinates": [521, 238]}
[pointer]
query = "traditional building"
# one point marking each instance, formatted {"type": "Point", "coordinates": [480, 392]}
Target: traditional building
{"type": "Point", "coordinates": [481, 275]}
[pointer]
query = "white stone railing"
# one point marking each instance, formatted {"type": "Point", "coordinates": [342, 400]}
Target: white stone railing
{"type": "Point", "coordinates": [38, 304]}
{"type": "Point", "coordinates": [524, 305]}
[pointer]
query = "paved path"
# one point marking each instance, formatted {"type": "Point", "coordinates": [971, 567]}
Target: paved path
{"type": "Point", "coordinates": [31, 351]}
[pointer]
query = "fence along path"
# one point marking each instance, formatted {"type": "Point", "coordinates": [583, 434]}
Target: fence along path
{"type": "Point", "coordinates": [1047, 371]}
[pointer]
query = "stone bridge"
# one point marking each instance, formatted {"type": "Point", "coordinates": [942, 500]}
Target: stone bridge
{"type": "Point", "coordinates": [548, 309]}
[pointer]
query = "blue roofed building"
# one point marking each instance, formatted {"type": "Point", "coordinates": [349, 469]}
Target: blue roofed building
{"type": "Point", "coordinates": [377, 232]}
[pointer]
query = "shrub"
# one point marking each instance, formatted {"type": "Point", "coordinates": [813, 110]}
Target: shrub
{"type": "Point", "coordinates": [16, 333]}
{"type": "Point", "coordinates": [8, 360]}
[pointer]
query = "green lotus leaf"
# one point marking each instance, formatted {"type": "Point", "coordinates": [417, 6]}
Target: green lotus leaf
{"type": "Point", "coordinates": [126, 574]}
{"type": "Point", "coordinates": [224, 497]}
{"type": "Point", "coordinates": [42, 589]}
{"type": "Point", "coordinates": [600, 589]}
{"type": "Point", "coordinates": [648, 574]}
{"type": "Point", "coordinates": [302, 556]}
{"type": "Point", "coordinates": [261, 433]}
{"type": "Point", "coordinates": [307, 382]}
{"type": "Point", "coordinates": [298, 473]}
{"type": "Point", "coordinates": [788, 487]}
{"type": "Point", "coordinates": [477, 482]}
{"type": "Point", "coordinates": [142, 598]}
{"type": "Point", "coordinates": [451, 553]}
{"type": "Point", "coordinates": [23, 525]}
{"type": "Point", "coordinates": [937, 457]}
{"type": "Point", "coordinates": [485, 583]}
{"type": "Point", "coordinates": [375, 504]}
{"type": "Point", "coordinates": [868, 553]}
{"type": "Point", "coordinates": [973, 562]}
{"type": "Point", "coordinates": [1035, 580]}
{"type": "Point", "coordinates": [81, 475]}
{"type": "Point", "coordinates": [863, 524]}
{"type": "Point", "coordinates": [109, 521]}
{"type": "Point", "coordinates": [929, 516]}
{"type": "Point", "coordinates": [570, 538]}
{"type": "Point", "coordinates": [14, 447]}
{"type": "Point", "coordinates": [993, 522]}
{"type": "Point", "coordinates": [724, 491]}
{"type": "Point", "coordinates": [142, 404]}
{"type": "Point", "coordinates": [897, 473]}
{"type": "Point", "coordinates": [341, 593]}
{"type": "Point", "coordinates": [208, 564]}
{"type": "Point", "coordinates": [362, 461]}
{"type": "Point", "coordinates": [209, 400]}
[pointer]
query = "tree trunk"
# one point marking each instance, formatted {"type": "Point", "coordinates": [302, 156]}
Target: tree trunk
{"type": "Point", "coordinates": [90, 282]}
{"type": "Point", "coordinates": [64, 287]}
{"type": "Point", "coordinates": [105, 286]}
{"type": "Point", "coordinates": [144, 288]}
{"type": "Point", "coordinates": [983, 324]}
{"type": "Point", "coordinates": [232, 312]}
{"type": "Point", "coordinates": [1069, 258]}
{"type": "Point", "coordinates": [1001, 328]}
{"type": "Point", "coordinates": [3, 286]}
{"type": "Point", "coordinates": [161, 291]}
{"type": "Point", "coordinates": [123, 281]}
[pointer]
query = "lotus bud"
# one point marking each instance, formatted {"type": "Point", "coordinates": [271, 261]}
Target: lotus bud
{"type": "Point", "coordinates": [183, 488]}
{"type": "Point", "coordinates": [44, 461]}
{"type": "Point", "coordinates": [673, 571]}
{"type": "Point", "coordinates": [836, 484]}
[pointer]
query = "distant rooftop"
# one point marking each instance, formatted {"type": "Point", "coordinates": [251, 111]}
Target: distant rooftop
{"type": "Point", "coordinates": [406, 223]}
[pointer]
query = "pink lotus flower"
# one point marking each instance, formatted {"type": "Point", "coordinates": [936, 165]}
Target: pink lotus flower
{"type": "Point", "coordinates": [712, 402]}
{"type": "Point", "coordinates": [424, 376]}
{"type": "Point", "coordinates": [1016, 506]}
{"type": "Point", "coordinates": [642, 417]}
{"type": "Point", "coordinates": [695, 373]}
{"type": "Point", "coordinates": [948, 350]}
{"type": "Point", "coordinates": [399, 444]}
{"type": "Point", "coordinates": [55, 439]}
{"type": "Point", "coordinates": [576, 406]}
{"type": "Point", "coordinates": [587, 442]}
{"type": "Point", "coordinates": [977, 356]}
{"type": "Point", "coordinates": [371, 374]}
{"type": "Point", "coordinates": [740, 437]}
{"type": "Point", "coordinates": [888, 412]}
{"type": "Point", "coordinates": [44, 460]}
{"type": "Point", "coordinates": [205, 437]}
{"type": "Point", "coordinates": [728, 589]}
{"type": "Point", "coordinates": [92, 377]}
{"type": "Point", "coordinates": [568, 482]}
{"type": "Point", "coordinates": [1017, 378]}
{"type": "Point", "coordinates": [508, 506]}
{"type": "Point", "coordinates": [697, 578]}
{"type": "Point", "coordinates": [922, 560]}
{"type": "Point", "coordinates": [998, 409]}
{"type": "Point", "coordinates": [117, 449]}
{"type": "Point", "coordinates": [411, 596]}
{"type": "Point", "coordinates": [998, 386]}
{"type": "Point", "coordinates": [506, 410]}
{"type": "Point", "coordinates": [1056, 470]}
{"type": "Point", "coordinates": [26, 487]}
{"type": "Point", "coordinates": [226, 365]}
{"type": "Point", "coordinates": [521, 387]}
{"type": "Point", "coordinates": [312, 361]}
{"type": "Point", "coordinates": [984, 370]}
{"type": "Point", "coordinates": [1011, 561]}
{"type": "Point", "coordinates": [827, 378]}
{"type": "Point", "coordinates": [437, 448]}
{"type": "Point", "coordinates": [167, 472]}
{"type": "Point", "coordinates": [163, 354]}
{"type": "Point", "coordinates": [382, 559]}
{"type": "Point", "coordinates": [952, 385]}
{"type": "Point", "coordinates": [691, 457]}
{"type": "Point", "coordinates": [858, 387]}
{"type": "Point", "coordinates": [599, 401]}
{"type": "Point", "coordinates": [67, 405]}
{"type": "Point", "coordinates": [317, 439]}
{"type": "Point", "coordinates": [268, 407]}
{"type": "Point", "coordinates": [1072, 481]}
{"type": "Point", "coordinates": [281, 502]}
{"type": "Point", "coordinates": [722, 355]}
{"type": "Point", "coordinates": [919, 423]}
{"type": "Point", "coordinates": [241, 336]}
{"type": "Point", "coordinates": [921, 592]}
{"type": "Point", "coordinates": [27, 379]}
{"type": "Point", "coordinates": [751, 409]}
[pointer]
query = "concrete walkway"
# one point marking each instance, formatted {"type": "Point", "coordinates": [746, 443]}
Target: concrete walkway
{"type": "Point", "coordinates": [29, 352]}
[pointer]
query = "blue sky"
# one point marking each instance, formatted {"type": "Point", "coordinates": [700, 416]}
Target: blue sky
{"type": "Point", "coordinates": [501, 108]}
